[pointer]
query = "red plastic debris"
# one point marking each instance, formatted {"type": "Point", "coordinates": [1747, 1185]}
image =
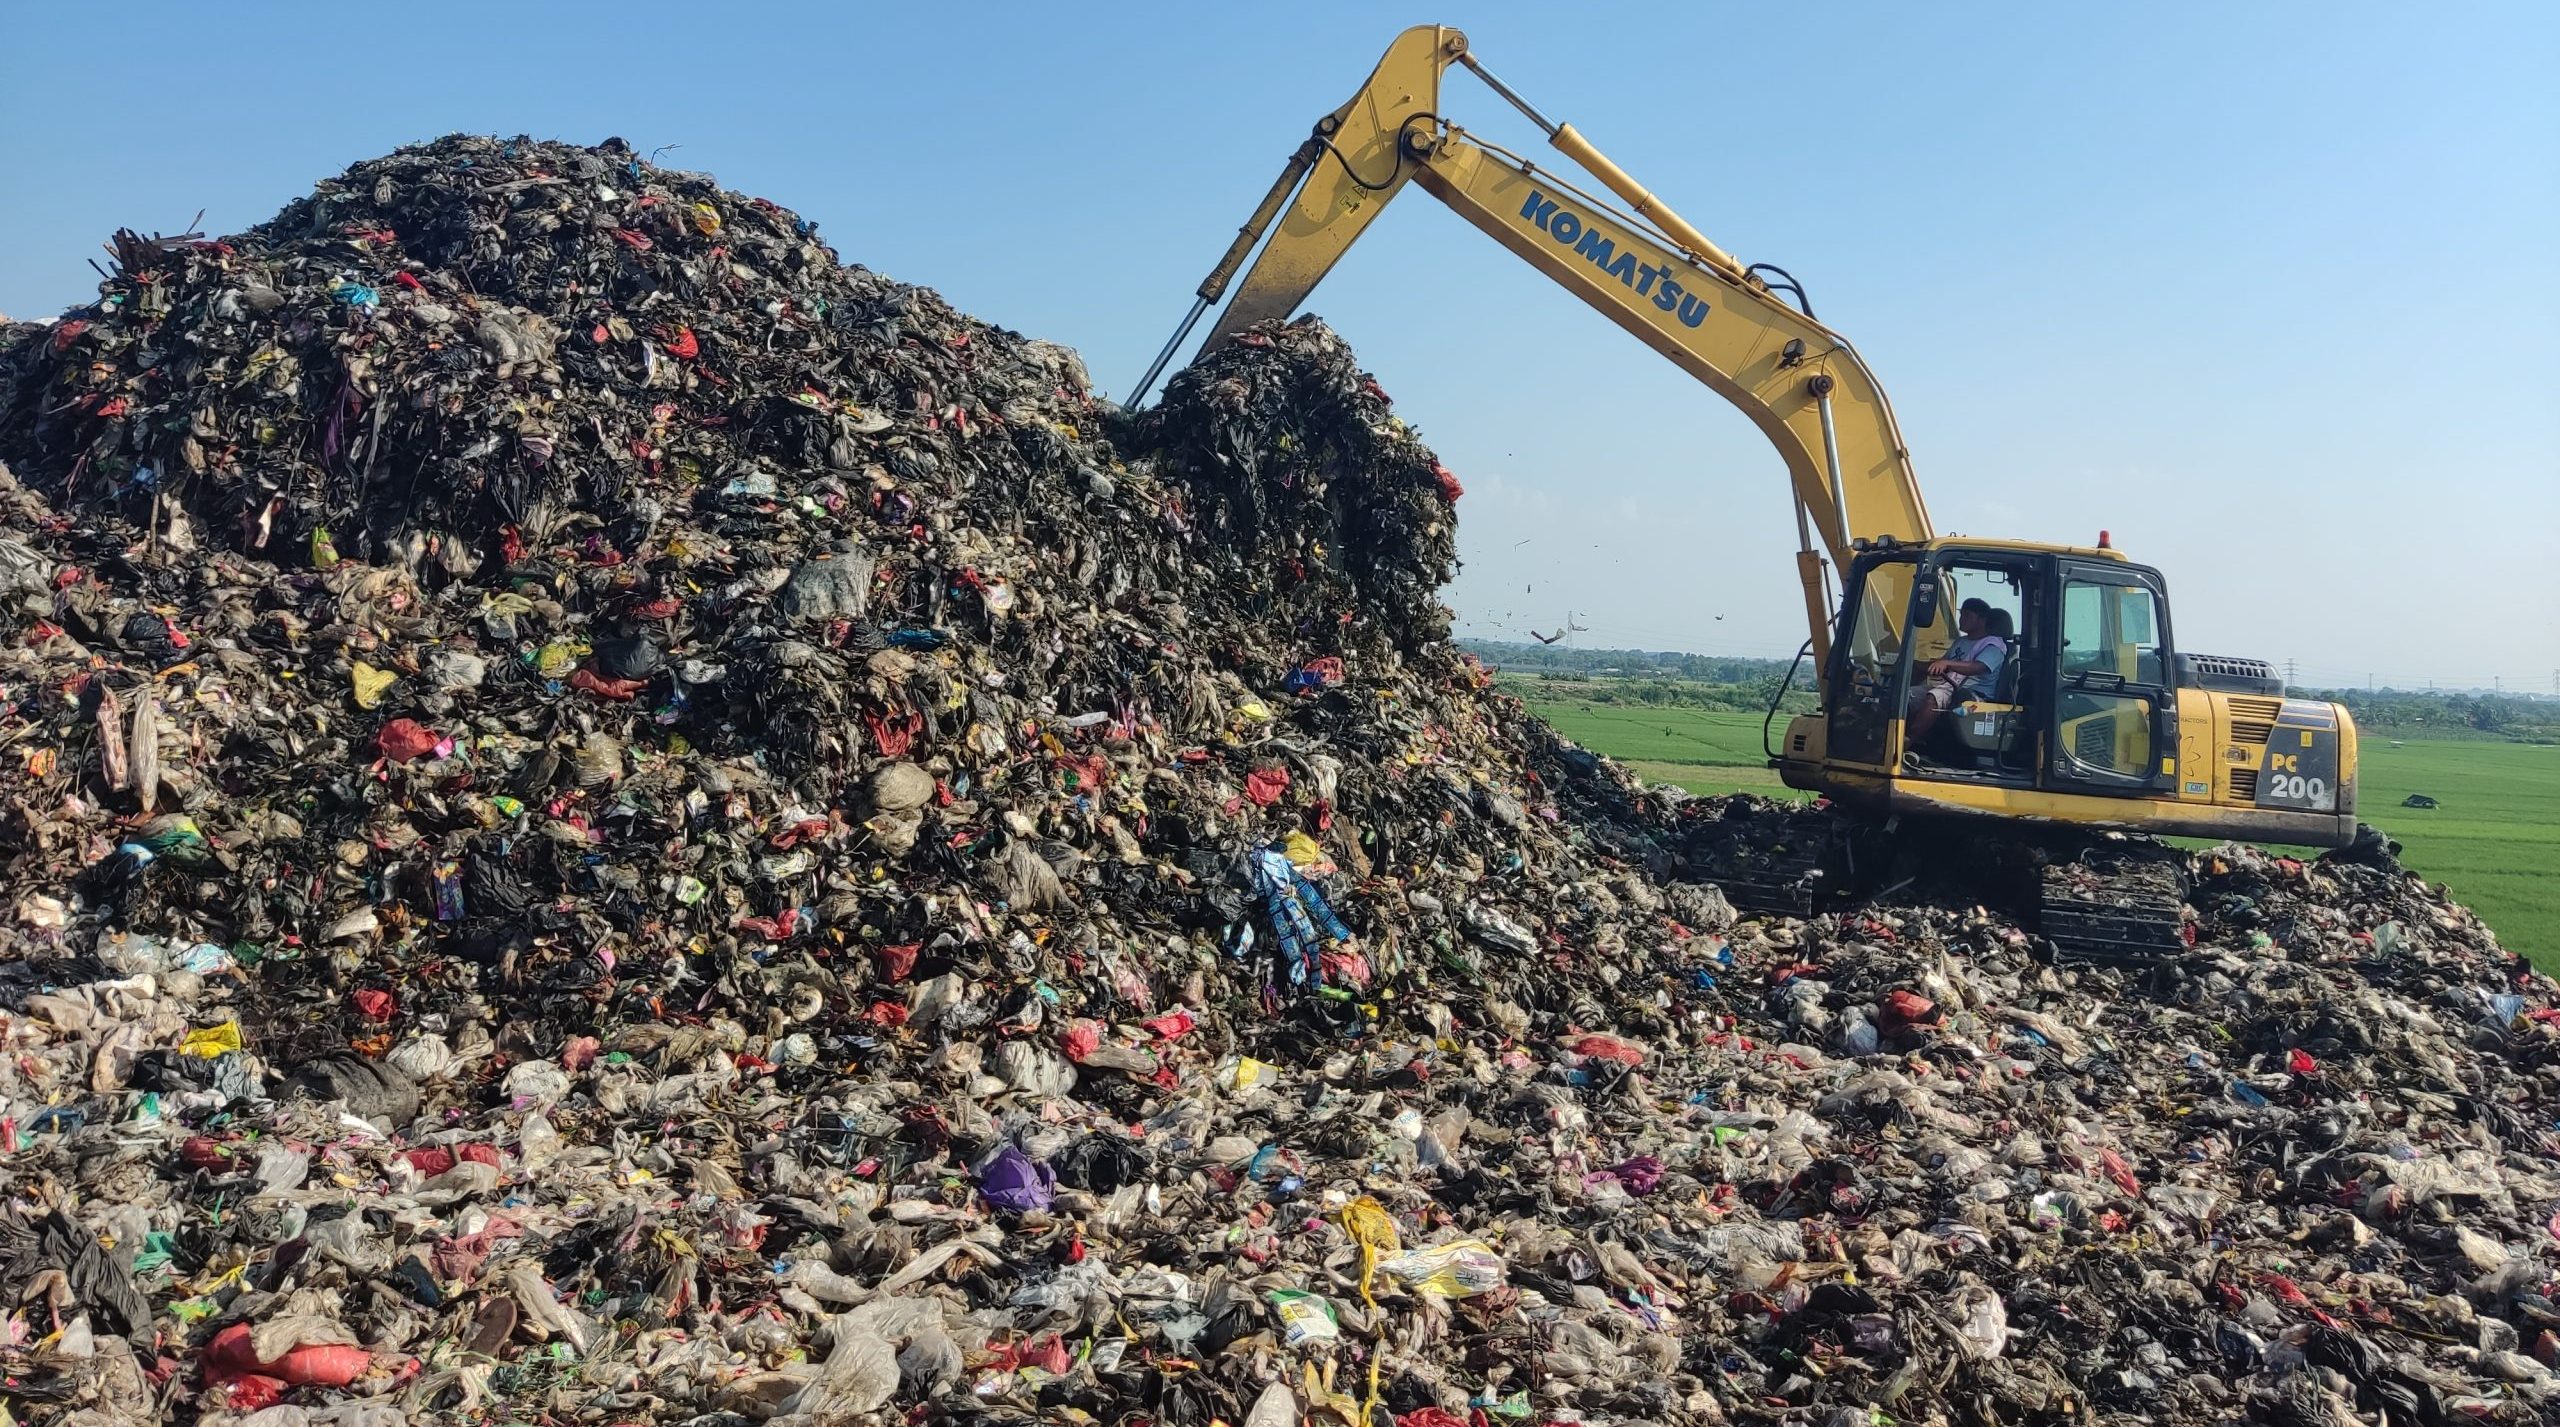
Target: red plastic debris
{"type": "Point", "coordinates": [232, 1358]}
{"type": "Point", "coordinates": [201, 1152]}
{"type": "Point", "coordinates": [619, 690]}
{"type": "Point", "coordinates": [2120, 1172]}
{"type": "Point", "coordinates": [1048, 1352]}
{"type": "Point", "coordinates": [894, 734]}
{"type": "Point", "coordinates": [1265, 785]}
{"type": "Point", "coordinates": [781, 926]}
{"type": "Point", "coordinates": [1599, 1047]}
{"type": "Point", "coordinates": [1909, 1008]}
{"type": "Point", "coordinates": [405, 739]}
{"type": "Point", "coordinates": [432, 1160]}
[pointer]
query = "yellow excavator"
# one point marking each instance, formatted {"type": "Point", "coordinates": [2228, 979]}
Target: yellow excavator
{"type": "Point", "coordinates": [2092, 720]}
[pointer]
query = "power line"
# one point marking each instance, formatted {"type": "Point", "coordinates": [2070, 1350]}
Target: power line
{"type": "Point", "coordinates": [2335, 678]}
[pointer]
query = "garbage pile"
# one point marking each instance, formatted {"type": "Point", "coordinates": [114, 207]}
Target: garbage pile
{"type": "Point", "coordinates": [608, 819]}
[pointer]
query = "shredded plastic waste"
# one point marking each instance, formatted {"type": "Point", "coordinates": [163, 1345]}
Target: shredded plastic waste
{"type": "Point", "coordinates": [610, 819]}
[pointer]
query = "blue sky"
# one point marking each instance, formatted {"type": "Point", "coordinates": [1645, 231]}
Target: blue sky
{"type": "Point", "coordinates": [2271, 292]}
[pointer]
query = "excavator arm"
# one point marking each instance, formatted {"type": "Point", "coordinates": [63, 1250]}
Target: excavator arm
{"type": "Point", "coordinates": [1639, 264]}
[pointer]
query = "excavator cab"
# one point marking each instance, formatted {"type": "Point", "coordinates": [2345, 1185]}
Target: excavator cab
{"type": "Point", "coordinates": [2084, 701]}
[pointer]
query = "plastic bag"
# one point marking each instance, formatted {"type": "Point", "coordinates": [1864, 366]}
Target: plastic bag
{"type": "Point", "coordinates": [1462, 1268]}
{"type": "Point", "coordinates": [1374, 1230]}
{"type": "Point", "coordinates": [1014, 1180]}
{"type": "Point", "coordinates": [212, 1040]}
{"type": "Point", "coordinates": [1982, 1321]}
{"type": "Point", "coordinates": [1304, 1317]}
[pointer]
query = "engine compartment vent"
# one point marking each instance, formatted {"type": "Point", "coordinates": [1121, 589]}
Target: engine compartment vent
{"type": "Point", "coordinates": [2253, 720]}
{"type": "Point", "coordinates": [2226, 674]}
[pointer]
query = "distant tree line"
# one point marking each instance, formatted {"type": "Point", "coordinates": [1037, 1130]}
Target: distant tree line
{"type": "Point", "coordinates": [1751, 697]}
{"type": "Point", "coordinates": [2506, 716]}
{"type": "Point", "coordinates": [1561, 661]}
{"type": "Point", "coordinates": [1711, 681]}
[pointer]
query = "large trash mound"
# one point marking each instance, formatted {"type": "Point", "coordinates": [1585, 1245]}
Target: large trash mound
{"type": "Point", "coordinates": [608, 819]}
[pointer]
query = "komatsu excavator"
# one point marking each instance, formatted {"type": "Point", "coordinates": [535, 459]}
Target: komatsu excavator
{"type": "Point", "coordinates": [2096, 722]}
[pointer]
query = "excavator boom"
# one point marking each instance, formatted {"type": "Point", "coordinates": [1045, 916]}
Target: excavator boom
{"type": "Point", "coordinates": [1642, 266]}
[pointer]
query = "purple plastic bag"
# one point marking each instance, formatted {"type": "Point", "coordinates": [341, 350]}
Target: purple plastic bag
{"type": "Point", "coordinates": [1014, 1180]}
{"type": "Point", "coordinates": [1641, 1175]}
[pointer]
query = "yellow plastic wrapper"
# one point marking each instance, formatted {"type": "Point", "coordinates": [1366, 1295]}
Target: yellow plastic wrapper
{"type": "Point", "coordinates": [558, 658]}
{"type": "Point", "coordinates": [1307, 855]}
{"type": "Point", "coordinates": [1374, 1230]}
{"type": "Point", "coordinates": [1459, 1269]}
{"type": "Point", "coordinates": [372, 684]}
{"type": "Point", "coordinates": [212, 1041]}
{"type": "Point", "coordinates": [1244, 1072]}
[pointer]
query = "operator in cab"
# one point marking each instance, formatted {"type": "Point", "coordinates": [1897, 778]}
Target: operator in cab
{"type": "Point", "coordinates": [1970, 670]}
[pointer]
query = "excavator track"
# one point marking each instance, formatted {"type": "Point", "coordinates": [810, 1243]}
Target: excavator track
{"type": "Point", "coordinates": [1792, 886]}
{"type": "Point", "coordinates": [1768, 858]}
{"type": "Point", "coordinates": [2119, 900]}
{"type": "Point", "coordinates": [2118, 904]}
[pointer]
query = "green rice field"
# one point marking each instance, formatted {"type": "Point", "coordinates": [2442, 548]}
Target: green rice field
{"type": "Point", "coordinates": [2494, 839]}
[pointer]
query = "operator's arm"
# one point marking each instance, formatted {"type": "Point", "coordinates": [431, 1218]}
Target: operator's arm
{"type": "Point", "coordinates": [1989, 656]}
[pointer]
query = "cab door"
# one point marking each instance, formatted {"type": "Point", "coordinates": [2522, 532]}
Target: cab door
{"type": "Point", "coordinates": [1870, 663]}
{"type": "Point", "coordinates": [2113, 719]}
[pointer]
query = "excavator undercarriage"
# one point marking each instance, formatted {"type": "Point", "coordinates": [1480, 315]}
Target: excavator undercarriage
{"type": "Point", "coordinates": [2104, 897]}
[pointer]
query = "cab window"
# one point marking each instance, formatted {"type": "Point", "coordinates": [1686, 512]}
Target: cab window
{"type": "Point", "coordinates": [2111, 629]}
{"type": "Point", "coordinates": [1866, 706]}
{"type": "Point", "coordinates": [2138, 632]}
{"type": "Point", "coordinates": [2111, 660]}
{"type": "Point", "coordinates": [2084, 635]}
{"type": "Point", "coordinates": [1875, 641]}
